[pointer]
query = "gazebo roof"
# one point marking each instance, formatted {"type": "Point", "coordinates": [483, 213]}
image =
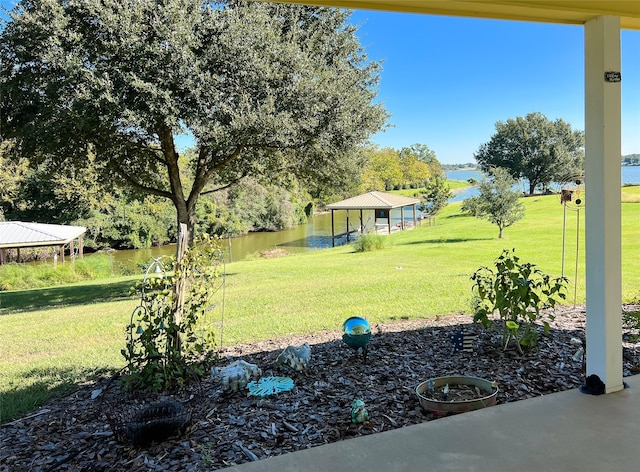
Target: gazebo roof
{"type": "Point", "coordinates": [15, 234]}
{"type": "Point", "coordinates": [373, 201]}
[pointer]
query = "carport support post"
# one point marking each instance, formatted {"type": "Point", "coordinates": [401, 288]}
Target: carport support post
{"type": "Point", "coordinates": [603, 207]}
{"type": "Point", "coordinates": [333, 231]}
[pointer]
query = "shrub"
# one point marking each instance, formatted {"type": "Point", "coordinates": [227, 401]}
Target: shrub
{"type": "Point", "coordinates": [369, 242]}
{"type": "Point", "coordinates": [517, 291]}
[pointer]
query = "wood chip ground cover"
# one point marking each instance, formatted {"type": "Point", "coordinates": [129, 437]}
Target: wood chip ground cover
{"type": "Point", "coordinates": [74, 432]}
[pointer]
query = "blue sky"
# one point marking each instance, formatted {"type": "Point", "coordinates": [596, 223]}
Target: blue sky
{"type": "Point", "coordinates": [446, 81]}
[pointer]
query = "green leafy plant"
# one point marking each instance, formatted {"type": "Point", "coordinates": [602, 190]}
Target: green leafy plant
{"type": "Point", "coordinates": [368, 242]}
{"type": "Point", "coordinates": [168, 340]}
{"type": "Point", "coordinates": [518, 292]}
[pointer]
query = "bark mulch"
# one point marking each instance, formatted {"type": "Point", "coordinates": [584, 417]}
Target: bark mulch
{"type": "Point", "coordinates": [74, 433]}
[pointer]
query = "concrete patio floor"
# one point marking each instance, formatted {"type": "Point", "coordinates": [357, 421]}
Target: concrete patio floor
{"type": "Point", "coordinates": [566, 431]}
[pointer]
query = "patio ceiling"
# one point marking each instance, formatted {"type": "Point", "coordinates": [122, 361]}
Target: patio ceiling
{"type": "Point", "coordinates": [548, 11]}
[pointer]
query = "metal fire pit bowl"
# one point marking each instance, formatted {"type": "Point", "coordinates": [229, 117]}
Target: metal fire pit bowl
{"type": "Point", "coordinates": [445, 407]}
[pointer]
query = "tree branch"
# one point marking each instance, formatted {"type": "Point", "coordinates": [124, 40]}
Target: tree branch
{"type": "Point", "coordinates": [225, 186]}
{"type": "Point", "coordinates": [138, 186]}
{"type": "Point", "coordinates": [173, 170]}
{"type": "Point", "coordinates": [203, 176]}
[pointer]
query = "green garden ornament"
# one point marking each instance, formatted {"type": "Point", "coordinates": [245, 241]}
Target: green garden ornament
{"type": "Point", "coordinates": [359, 413]}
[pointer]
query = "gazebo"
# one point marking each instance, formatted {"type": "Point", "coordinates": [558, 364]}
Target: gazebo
{"type": "Point", "coordinates": [381, 203]}
{"type": "Point", "coordinates": [18, 235]}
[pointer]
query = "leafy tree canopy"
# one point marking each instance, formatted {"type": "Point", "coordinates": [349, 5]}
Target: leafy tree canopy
{"type": "Point", "coordinates": [534, 148]}
{"type": "Point", "coordinates": [264, 89]}
{"type": "Point", "coordinates": [389, 169]}
{"type": "Point", "coordinates": [436, 194]}
{"type": "Point", "coordinates": [497, 202]}
{"type": "Point", "coordinates": [382, 171]}
{"type": "Point", "coordinates": [425, 155]}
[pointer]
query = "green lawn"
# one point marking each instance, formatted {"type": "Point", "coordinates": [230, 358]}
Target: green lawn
{"type": "Point", "coordinates": [51, 339]}
{"type": "Point", "coordinates": [414, 192]}
{"type": "Point", "coordinates": [631, 194]}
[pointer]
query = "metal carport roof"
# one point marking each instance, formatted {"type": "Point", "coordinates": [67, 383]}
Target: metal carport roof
{"type": "Point", "coordinates": [17, 234]}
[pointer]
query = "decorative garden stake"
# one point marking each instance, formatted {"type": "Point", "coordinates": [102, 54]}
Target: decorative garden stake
{"type": "Point", "coordinates": [236, 375]}
{"type": "Point", "coordinates": [356, 333]}
{"type": "Point", "coordinates": [457, 339]}
{"type": "Point", "coordinates": [463, 341]}
{"type": "Point", "coordinates": [295, 357]}
{"type": "Point", "coordinates": [572, 197]}
{"type": "Point", "coordinates": [359, 413]}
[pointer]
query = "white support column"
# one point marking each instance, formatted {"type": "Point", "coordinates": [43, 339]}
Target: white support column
{"type": "Point", "coordinates": [603, 208]}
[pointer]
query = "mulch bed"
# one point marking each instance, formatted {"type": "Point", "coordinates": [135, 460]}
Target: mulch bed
{"type": "Point", "coordinates": [74, 432]}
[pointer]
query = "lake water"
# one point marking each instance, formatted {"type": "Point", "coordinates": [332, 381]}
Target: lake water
{"type": "Point", "coordinates": [315, 234]}
{"type": "Point", "coordinates": [628, 175]}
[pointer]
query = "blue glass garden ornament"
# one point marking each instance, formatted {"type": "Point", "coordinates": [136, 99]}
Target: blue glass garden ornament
{"type": "Point", "coordinates": [356, 333]}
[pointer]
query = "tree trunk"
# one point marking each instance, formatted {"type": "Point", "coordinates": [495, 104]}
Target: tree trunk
{"type": "Point", "coordinates": [186, 229]}
{"type": "Point", "coordinates": [500, 233]}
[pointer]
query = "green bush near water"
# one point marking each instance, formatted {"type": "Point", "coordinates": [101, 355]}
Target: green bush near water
{"type": "Point", "coordinates": [368, 242]}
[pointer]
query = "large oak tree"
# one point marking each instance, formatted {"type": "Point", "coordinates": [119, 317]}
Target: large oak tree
{"type": "Point", "coordinates": [534, 148]}
{"type": "Point", "coordinates": [263, 89]}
